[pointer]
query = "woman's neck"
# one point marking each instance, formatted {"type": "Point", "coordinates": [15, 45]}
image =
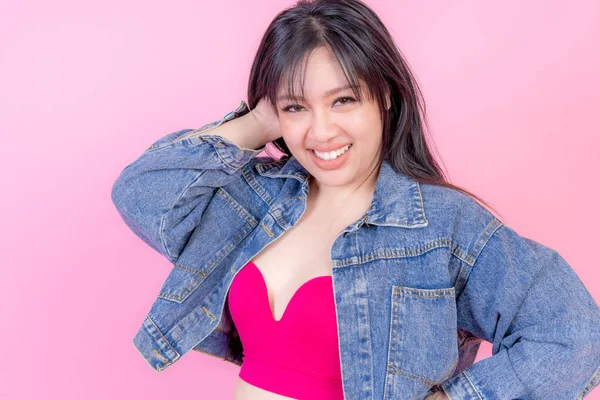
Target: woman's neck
{"type": "Point", "coordinates": [333, 198]}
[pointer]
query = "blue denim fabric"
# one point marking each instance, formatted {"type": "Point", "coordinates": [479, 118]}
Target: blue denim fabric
{"type": "Point", "coordinates": [420, 280]}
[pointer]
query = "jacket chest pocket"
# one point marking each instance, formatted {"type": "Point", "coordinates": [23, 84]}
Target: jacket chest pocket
{"type": "Point", "coordinates": [423, 344]}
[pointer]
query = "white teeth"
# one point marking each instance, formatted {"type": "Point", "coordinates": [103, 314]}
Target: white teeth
{"type": "Point", "coordinates": [332, 154]}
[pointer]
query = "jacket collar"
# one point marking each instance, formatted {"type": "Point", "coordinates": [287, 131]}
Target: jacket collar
{"type": "Point", "coordinates": [397, 199]}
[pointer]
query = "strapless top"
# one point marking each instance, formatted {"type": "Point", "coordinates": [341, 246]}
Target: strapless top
{"type": "Point", "coordinates": [296, 356]}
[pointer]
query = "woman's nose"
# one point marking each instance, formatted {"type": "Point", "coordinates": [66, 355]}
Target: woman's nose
{"type": "Point", "coordinates": [322, 128]}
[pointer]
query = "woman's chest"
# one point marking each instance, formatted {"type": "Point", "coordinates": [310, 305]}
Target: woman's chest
{"type": "Point", "coordinates": [298, 256]}
{"type": "Point", "coordinates": [293, 287]}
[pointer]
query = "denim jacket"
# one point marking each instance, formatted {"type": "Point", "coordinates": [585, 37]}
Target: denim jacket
{"type": "Point", "coordinates": [419, 281]}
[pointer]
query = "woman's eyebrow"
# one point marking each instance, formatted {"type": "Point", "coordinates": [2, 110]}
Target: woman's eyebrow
{"type": "Point", "coordinates": [328, 93]}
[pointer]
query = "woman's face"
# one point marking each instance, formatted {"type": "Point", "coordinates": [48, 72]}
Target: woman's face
{"type": "Point", "coordinates": [329, 121]}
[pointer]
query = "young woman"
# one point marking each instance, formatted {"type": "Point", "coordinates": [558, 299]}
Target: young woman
{"type": "Point", "coordinates": [349, 268]}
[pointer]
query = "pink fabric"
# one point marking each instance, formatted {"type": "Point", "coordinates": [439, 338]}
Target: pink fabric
{"type": "Point", "coordinates": [296, 356]}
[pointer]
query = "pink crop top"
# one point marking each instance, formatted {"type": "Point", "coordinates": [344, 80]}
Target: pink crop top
{"type": "Point", "coordinates": [296, 356]}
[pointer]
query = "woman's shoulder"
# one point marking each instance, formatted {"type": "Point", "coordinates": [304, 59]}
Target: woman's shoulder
{"type": "Point", "coordinates": [456, 215]}
{"type": "Point", "coordinates": [453, 202]}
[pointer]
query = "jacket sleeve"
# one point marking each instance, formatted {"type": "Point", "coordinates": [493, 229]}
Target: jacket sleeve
{"type": "Point", "coordinates": [543, 324]}
{"type": "Point", "coordinates": [162, 195]}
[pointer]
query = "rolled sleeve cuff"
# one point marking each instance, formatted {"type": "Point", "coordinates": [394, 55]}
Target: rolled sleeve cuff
{"type": "Point", "coordinates": [460, 388]}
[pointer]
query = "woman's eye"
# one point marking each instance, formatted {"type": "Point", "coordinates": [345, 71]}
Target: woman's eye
{"type": "Point", "coordinates": [348, 100]}
{"type": "Point", "coordinates": [288, 108]}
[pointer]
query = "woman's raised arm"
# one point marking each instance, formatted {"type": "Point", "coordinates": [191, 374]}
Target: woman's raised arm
{"type": "Point", "coordinates": [162, 195]}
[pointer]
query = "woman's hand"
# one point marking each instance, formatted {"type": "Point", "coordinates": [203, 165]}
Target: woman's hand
{"type": "Point", "coordinates": [441, 395]}
{"type": "Point", "coordinates": [268, 120]}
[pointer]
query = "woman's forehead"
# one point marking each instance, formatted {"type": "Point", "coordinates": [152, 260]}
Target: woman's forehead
{"type": "Point", "coordinates": [297, 72]}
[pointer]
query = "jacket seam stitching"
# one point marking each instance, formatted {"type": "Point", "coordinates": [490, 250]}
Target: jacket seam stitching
{"type": "Point", "coordinates": [236, 206]}
{"type": "Point", "coordinates": [164, 338]}
{"type": "Point", "coordinates": [164, 216]}
{"type": "Point", "coordinates": [593, 381]}
{"type": "Point", "coordinates": [482, 240]}
{"type": "Point", "coordinates": [256, 187]}
{"type": "Point", "coordinates": [475, 389]}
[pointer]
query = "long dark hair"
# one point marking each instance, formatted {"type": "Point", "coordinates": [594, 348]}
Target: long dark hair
{"type": "Point", "coordinates": [364, 49]}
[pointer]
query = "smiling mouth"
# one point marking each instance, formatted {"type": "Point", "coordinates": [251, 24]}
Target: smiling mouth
{"type": "Point", "coordinates": [327, 156]}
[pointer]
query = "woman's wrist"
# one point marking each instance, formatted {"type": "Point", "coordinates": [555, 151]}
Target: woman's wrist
{"type": "Point", "coordinates": [244, 131]}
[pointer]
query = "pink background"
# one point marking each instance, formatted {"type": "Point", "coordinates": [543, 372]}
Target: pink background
{"type": "Point", "coordinates": [512, 90]}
